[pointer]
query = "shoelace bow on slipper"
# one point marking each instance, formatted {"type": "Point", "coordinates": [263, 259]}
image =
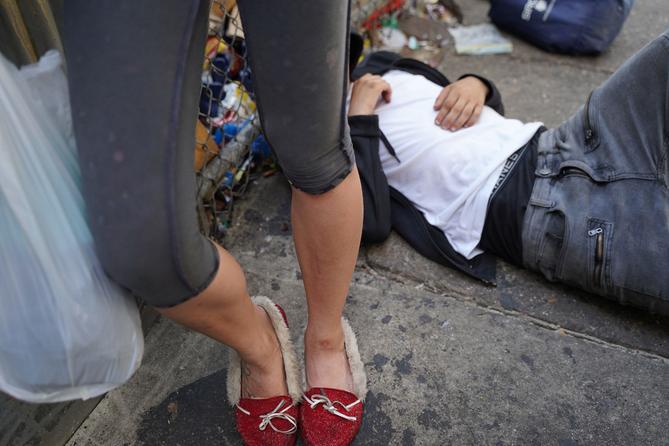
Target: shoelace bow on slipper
{"type": "Point", "coordinates": [266, 419]}
{"type": "Point", "coordinates": [328, 405]}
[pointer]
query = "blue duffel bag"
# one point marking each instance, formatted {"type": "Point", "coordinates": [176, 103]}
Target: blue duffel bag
{"type": "Point", "coordinates": [563, 26]}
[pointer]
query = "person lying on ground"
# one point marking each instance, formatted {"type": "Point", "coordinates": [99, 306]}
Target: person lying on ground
{"type": "Point", "coordinates": [586, 203]}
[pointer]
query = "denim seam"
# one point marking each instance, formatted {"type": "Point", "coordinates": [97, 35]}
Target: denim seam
{"type": "Point", "coordinates": [633, 176]}
{"type": "Point", "coordinates": [664, 164]}
{"type": "Point", "coordinates": [663, 175]}
{"type": "Point", "coordinates": [616, 175]}
{"type": "Point", "coordinates": [608, 258]}
{"type": "Point", "coordinates": [538, 194]}
{"type": "Point", "coordinates": [566, 237]}
{"type": "Point", "coordinates": [541, 240]}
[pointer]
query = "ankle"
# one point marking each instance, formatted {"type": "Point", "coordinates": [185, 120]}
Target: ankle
{"type": "Point", "coordinates": [266, 349]}
{"type": "Point", "coordinates": [330, 341]}
{"type": "Point", "coordinates": [326, 361]}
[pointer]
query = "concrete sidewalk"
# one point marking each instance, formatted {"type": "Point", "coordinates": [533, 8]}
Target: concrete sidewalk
{"type": "Point", "coordinates": [449, 361]}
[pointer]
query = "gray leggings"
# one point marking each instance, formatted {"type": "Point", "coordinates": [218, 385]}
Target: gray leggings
{"type": "Point", "coordinates": [134, 70]}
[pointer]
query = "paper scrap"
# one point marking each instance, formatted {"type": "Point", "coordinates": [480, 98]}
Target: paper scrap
{"type": "Point", "coordinates": [480, 39]}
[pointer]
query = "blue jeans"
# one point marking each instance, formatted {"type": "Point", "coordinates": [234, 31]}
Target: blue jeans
{"type": "Point", "coordinates": [598, 217]}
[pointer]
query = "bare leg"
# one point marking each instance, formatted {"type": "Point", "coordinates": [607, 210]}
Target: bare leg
{"type": "Point", "coordinates": [327, 230]}
{"type": "Point", "coordinates": [300, 98]}
{"type": "Point", "coordinates": [224, 312]}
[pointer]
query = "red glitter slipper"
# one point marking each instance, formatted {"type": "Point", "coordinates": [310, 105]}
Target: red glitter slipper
{"type": "Point", "coordinates": [268, 421]}
{"type": "Point", "coordinates": [332, 417]}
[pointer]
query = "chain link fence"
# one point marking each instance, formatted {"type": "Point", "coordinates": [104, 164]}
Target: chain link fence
{"type": "Point", "coordinates": [228, 143]}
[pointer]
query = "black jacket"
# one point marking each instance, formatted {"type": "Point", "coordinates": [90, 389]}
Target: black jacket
{"type": "Point", "coordinates": [385, 207]}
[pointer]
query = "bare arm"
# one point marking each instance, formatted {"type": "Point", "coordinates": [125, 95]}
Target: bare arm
{"type": "Point", "coordinates": [365, 94]}
{"type": "Point", "coordinates": [460, 103]}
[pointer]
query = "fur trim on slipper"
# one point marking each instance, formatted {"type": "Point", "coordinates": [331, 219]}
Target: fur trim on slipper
{"type": "Point", "coordinates": [354, 361]}
{"type": "Point", "coordinates": [234, 379]}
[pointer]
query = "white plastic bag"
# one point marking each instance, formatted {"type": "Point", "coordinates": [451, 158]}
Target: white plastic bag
{"type": "Point", "coordinates": [66, 330]}
{"type": "Point", "coordinates": [49, 88]}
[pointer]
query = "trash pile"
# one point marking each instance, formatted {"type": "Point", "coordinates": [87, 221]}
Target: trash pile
{"type": "Point", "coordinates": [230, 150]}
{"type": "Point", "coordinates": [423, 29]}
{"type": "Point", "coordinates": [413, 28]}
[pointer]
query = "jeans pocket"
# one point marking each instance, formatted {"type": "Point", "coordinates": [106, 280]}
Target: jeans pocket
{"type": "Point", "coordinates": [600, 236]}
{"type": "Point", "coordinates": [551, 245]}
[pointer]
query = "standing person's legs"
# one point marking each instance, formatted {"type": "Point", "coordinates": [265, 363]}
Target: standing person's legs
{"type": "Point", "coordinates": [327, 232]}
{"type": "Point", "coordinates": [134, 72]}
{"type": "Point", "coordinates": [300, 78]}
